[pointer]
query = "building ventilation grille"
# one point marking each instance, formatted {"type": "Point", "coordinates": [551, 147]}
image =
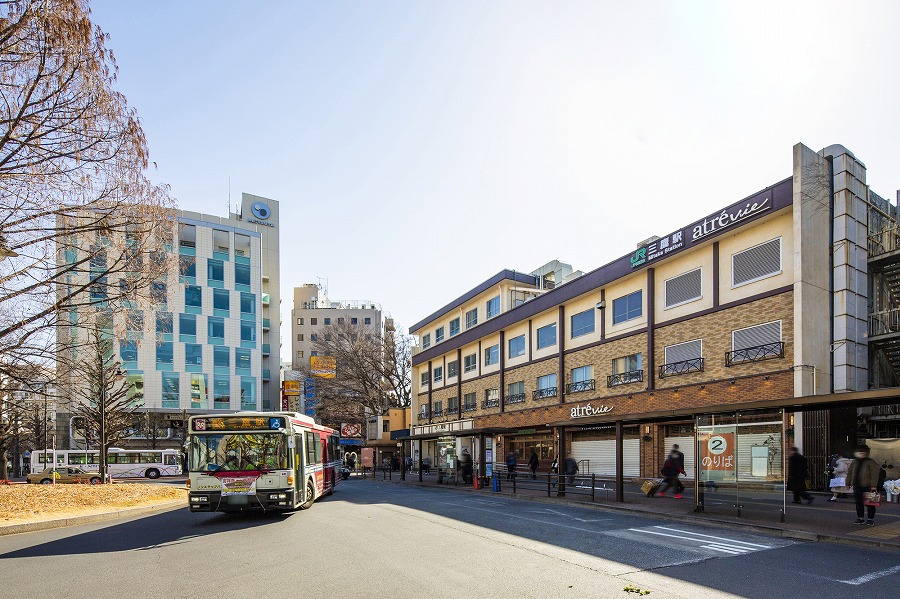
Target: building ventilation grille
{"type": "Point", "coordinates": [684, 288]}
{"type": "Point", "coordinates": [755, 336]}
{"type": "Point", "coordinates": [756, 263]}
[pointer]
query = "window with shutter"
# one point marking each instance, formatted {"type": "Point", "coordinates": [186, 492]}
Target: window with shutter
{"type": "Point", "coordinates": [681, 352]}
{"type": "Point", "coordinates": [757, 335]}
{"type": "Point", "coordinates": [759, 262]}
{"type": "Point", "coordinates": [684, 288]}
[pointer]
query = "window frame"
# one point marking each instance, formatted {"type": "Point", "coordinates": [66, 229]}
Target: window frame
{"type": "Point", "coordinates": [489, 314]}
{"type": "Point", "coordinates": [538, 336]}
{"type": "Point", "coordinates": [492, 355]}
{"type": "Point", "coordinates": [509, 346]}
{"type": "Point", "coordinates": [469, 366]}
{"type": "Point", "coordinates": [458, 330]}
{"type": "Point", "coordinates": [625, 297]}
{"type": "Point", "coordinates": [473, 321]}
{"type": "Point", "coordinates": [593, 323]}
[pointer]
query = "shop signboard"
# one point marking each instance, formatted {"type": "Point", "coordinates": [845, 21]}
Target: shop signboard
{"type": "Point", "coordinates": [717, 452]}
{"type": "Point", "coordinates": [323, 366]}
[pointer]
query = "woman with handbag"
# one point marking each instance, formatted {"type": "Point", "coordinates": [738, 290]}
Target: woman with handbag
{"type": "Point", "coordinates": [863, 476]}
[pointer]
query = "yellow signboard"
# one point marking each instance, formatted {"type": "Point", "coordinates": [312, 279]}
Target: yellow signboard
{"type": "Point", "coordinates": [322, 366]}
{"type": "Point", "coordinates": [292, 388]}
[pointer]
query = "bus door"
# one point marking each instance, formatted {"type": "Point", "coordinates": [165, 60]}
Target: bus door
{"type": "Point", "coordinates": [299, 467]}
{"type": "Point", "coordinates": [327, 469]}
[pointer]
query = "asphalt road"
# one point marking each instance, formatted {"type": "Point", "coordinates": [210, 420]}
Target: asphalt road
{"type": "Point", "coordinates": [379, 539]}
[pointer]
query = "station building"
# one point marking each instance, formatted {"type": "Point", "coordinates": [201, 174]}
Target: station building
{"type": "Point", "coordinates": [751, 324]}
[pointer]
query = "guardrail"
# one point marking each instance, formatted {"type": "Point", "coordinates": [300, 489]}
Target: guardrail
{"type": "Point", "coordinates": [586, 485]}
{"type": "Point", "coordinates": [757, 353]}
{"type": "Point", "coordinates": [884, 242]}
{"type": "Point", "coordinates": [682, 367]}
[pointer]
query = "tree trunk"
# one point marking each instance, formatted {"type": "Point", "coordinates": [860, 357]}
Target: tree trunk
{"type": "Point", "coordinates": [4, 471]}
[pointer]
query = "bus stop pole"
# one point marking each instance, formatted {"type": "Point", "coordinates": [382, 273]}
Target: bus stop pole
{"type": "Point", "coordinates": [402, 461]}
{"type": "Point", "coordinates": [560, 463]}
{"type": "Point", "coordinates": [620, 474]}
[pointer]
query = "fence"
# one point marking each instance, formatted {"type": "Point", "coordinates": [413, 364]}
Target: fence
{"type": "Point", "coordinates": [586, 485]}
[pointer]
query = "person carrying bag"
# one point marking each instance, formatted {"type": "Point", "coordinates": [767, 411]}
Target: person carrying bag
{"type": "Point", "coordinates": [863, 476]}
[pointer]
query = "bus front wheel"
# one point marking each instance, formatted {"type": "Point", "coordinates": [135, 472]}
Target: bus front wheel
{"type": "Point", "coordinates": [310, 495]}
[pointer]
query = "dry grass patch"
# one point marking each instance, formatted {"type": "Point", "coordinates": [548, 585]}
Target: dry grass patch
{"type": "Point", "coordinates": [33, 503]}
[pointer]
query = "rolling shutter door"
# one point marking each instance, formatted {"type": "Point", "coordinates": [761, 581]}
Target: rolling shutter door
{"type": "Point", "coordinates": [600, 457]}
{"type": "Point", "coordinates": [686, 445]}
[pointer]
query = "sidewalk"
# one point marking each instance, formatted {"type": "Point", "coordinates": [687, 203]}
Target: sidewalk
{"type": "Point", "coordinates": [760, 511]}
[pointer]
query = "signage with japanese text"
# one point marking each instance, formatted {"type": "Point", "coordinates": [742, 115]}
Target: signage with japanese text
{"type": "Point", "coordinates": [716, 452]}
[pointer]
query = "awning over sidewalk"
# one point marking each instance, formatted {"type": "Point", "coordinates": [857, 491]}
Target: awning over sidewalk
{"type": "Point", "coordinates": [806, 403]}
{"type": "Point", "coordinates": [470, 432]}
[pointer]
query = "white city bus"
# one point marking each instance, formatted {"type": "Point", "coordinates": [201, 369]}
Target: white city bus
{"type": "Point", "coordinates": [122, 463]}
{"type": "Point", "coordinates": [260, 461]}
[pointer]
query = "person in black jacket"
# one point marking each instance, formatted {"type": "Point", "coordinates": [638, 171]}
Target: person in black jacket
{"type": "Point", "coordinates": [798, 472]}
{"type": "Point", "coordinates": [680, 459]}
{"type": "Point", "coordinates": [670, 471]}
{"type": "Point", "coordinates": [533, 463]}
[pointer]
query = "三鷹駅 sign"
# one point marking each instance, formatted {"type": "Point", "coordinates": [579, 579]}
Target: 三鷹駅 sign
{"type": "Point", "coordinates": [658, 248]}
{"type": "Point", "coordinates": [589, 410]}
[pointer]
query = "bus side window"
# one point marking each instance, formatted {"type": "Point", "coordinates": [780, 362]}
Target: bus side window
{"type": "Point", "coordinates": [312, 448]}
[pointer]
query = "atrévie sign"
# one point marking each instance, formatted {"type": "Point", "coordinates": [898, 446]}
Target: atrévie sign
{"type": "Point", "coordinates": [727, 218]}
{"type": "Point", "coordinates": [589, 410]}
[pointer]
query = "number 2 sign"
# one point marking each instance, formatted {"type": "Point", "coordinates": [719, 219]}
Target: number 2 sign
{"type": "Point", "coordinates": [717, 451]}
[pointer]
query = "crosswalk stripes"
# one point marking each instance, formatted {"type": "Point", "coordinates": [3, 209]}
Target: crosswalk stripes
{"type": "Point", "coordinates": [722, 545]}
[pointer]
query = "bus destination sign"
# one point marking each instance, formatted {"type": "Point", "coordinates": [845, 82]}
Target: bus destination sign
{"type": "Point", "coordinates": [239, 423]}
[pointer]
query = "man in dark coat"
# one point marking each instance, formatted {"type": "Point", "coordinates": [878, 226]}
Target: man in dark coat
{"type": "Point", "coordinates": [679, 457]}
{"type": "Point", "coordinates": [533, 463]}
{"type": "Point", "coordinates": [798, 472]}
{"type": "Point", "coordinates": [670, 471]}
{"type": "Point", "coordinates": [570, 469]}
{"type": "Point", "coordinates": [465, 467]}
{"type": "Point", "coordinates": [864, 476]}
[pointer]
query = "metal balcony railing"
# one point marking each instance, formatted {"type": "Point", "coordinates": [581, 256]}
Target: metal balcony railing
{"type": "Point", "coordinates": [490, 403]}
{"type": "Point", "coordinates": [884, 323]}
{"type": "Point", "coordinates": [884, 242]}
{"type": "Point", "coordinates": [682, 367]}
{"type": "Point", "coordinates": [517, 398]}
{"type": "Point", "coordinates": [581, 386]}
{"type": "Point", "coordinates": [437, 413]}
{"type": "Point", "coordinates": [625, 378]}
{"type": "Point", "coordinates": [470, 407]}
{"type": "Point", "coordinates": [758, 353]}
{"type": "Point", "coordinates": [542, 393]}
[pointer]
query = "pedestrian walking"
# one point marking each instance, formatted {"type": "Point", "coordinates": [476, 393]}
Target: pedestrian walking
{"type": "Point", "coordinates": [570, 469]}
{"type": "Point", "coordinates": [533, 463]}
{"type": "Point", "coordinates": [465, 466]}
{"type": "Point", "coordinates": [426, 464]}
{"type": "Point", "coordinates": [670, 471]}
{"type": "Point", "coordinates": [863, 477]}
{"type": "Point", "coordinates": [510, 465]}
{"type": "Point", "coordinates": [840, 467]}
{"type": "Point", "coordinates": [679, 457]}
{"type": "Point", "coordinates": [408, 462]}
{"type": "Point", "coordinates": [554, 469]}
{"type": "Point", "coordinates": [797, 474]}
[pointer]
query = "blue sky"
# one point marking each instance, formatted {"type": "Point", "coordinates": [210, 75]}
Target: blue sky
{"type": "Point", "coordinates": [417, 148]}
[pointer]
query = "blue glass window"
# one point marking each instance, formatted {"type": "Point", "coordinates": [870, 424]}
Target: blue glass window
{"type": "Point", "coordinates": [582, 323]}
{"type": "Point", "coordinates": [187, 324]}
{"type": "Point", "coordinates": [170, 390]}
{"type": "Point", "coordinates": [627, 307]}
{"type": "Point", "coordinates": [222, 357]}
{"type": "Point", "coordinates": [128, 350]}
{"type": "Point", "coordinates": [546, 336]}
{"type": "Point", "coordinates": [248, 393]}
{"type": "Point", "coordinates": [248, 331]}
{"type": "Point", "coordinates": [242, 274]}
{"type": "Point", "coordinates": [187, 266]}
{"type": "Point", "coordinates": [454, 327]}
{"type": "Point", "coordinates": [216, 327]}
{"type": "Point", "coordinates": [493, 307]}
{"type": "Point", "coordinates": [193, 296]}
{"type": "Point", "coordinates": [221, 300]}
{"type": "Point", "coordinates": [248, 303]}
{"type": "Point", "coordinates": [165, 353]}
{"type": "Point", "coordinates": [242, 359]}
{"type": "Point", "coordinates": [221, 392]}
{"type": "Point", "coordinates": [517, 346]}
{"type": "Point", "coordinates": [215, 270]}
{"type": "Point", "coordinates": [193, 354]}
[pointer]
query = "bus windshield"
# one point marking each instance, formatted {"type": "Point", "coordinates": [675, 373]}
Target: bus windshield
{"type": "Point", "coordinates": [238, 451]}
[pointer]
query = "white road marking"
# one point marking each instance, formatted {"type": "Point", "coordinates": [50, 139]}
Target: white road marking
{"type": "Point", "coordinates": [720, 544]}
{"type": "Point", "coordinates": [871, 576]}
{"type": "Point", "coordinates": [481, 509]}
{"type": "Point", "coordinates": [565, 515]}
{"type": "Point", "coordinates": [697, 534]}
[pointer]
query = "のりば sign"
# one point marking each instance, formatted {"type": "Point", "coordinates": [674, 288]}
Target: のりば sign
{"type": "Point", "coordinates": [717, 452]}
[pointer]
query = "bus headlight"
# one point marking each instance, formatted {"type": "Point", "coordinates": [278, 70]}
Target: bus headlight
{"type": "Point", "coordinates": [199, 499]}
{"type": "Point", "coordinates": [278, 496]}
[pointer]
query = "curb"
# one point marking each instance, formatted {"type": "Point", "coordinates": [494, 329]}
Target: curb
{"type": "Point", "coordinates": [12, 529]}
{"type": "Point", "coordinates": [787, 533]}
